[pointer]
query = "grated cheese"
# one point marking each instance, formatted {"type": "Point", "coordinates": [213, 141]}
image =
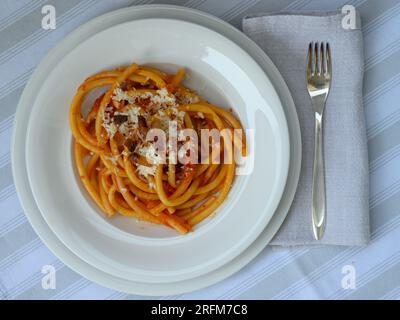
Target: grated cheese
{"type": "Point", "coordinates": [111, 128]}
{"type": "Point", "coordinates": [150, 153]}
{"type": "Point", "coordinates": [145, 171]}
{"type": "Point", "coordinates": [163, 97]}
{"type": "Point", "coordinates": [107, 124]}
{"type": "Point", "coordinates": [165, 108]}
{"type": "Point", "coordinates": [120, 95]}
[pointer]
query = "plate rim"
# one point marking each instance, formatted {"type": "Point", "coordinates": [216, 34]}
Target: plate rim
{"type": "Point", "coordinates": [179, 13]}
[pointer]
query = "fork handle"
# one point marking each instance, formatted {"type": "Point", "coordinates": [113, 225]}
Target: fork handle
{"type": "Point", "coordinates": [318, 183]}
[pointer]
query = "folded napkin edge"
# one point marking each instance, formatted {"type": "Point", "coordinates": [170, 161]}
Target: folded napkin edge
{"type": "Point", "coordinates": [303, 13]}
{"type": "Point", "coordinates": [310, 13]}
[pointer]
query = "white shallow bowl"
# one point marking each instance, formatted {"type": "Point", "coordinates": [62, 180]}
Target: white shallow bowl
{"type": "Point", "coordinates": [223, 73]}
{"type": "Point", "coordinates": [18, 152]}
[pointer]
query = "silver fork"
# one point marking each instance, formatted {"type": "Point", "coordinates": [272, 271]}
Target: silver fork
{"type": "Point", "coordinates": [319, 75]}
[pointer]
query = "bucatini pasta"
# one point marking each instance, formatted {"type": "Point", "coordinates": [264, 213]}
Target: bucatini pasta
{"type": "Point", "coordinates": [168, 179]}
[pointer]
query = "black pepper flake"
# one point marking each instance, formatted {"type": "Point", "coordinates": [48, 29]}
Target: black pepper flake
{"type": "Point", "coordinates": [120, 118]}
{"type": "Point", "coordinates": [130, 144]}
{"type": "Point", "coordinates": [141, 121]}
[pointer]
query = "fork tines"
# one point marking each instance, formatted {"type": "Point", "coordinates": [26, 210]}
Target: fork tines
{"type": "Point", "coordinates": [319, 58]}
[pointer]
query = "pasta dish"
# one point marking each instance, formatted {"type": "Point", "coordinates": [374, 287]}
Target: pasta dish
{"type": "Point", "coordinates": [152, 149]}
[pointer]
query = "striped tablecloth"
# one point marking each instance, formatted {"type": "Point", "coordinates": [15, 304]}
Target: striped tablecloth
{"type": "Point", "coordinates": [371, 272]}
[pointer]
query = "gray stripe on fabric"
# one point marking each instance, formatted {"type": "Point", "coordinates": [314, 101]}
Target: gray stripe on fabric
{"type": "Point", "coordinates": [30, 24]}
{"type": "Point", "coordinates": [314, 264]}
{"type": "Point", "coordinates": [6, 177]}
{"type": "Point", "coordinates": [41, 33]}
{"type": "Point", "coordinates": [14, 223]}
{"type": "Point", "coordinates": [237, 9]}
{"type": "Point", "coordinates": [384, 141]}
{"type": "Point", "coordinates": [318, 272]}
{"type": "Point", "coordinates": [21, 12]}
{"type": "Point", "coordinates": [20, 254]}
{"type": "Point", "coordinates": [381, 277]}
{"type": "Point", "coordinates": [64, 277]}
{"type": "Point", "coordinates": [142, 2]}
{"type": "Point", "coordinates": [382, 54]}
{"type": "Point", "coordinates": [135, 297]}
{"type": "Point", "coordinates": [8, 105]}
{"type": "Point", "coordinates": [7, 123]}
{"type": "Point", "coordinates": [194, 3]}
{"type": "Point", "coordinates": [254, 278]}
{"type": "Point", "coordinates": [170, 298]}
{"type": "Point", "coordinates": [125, 296]}
{"type": "Point", "coordinates": [384, 229]}
{"type": "Point", "coordinates": [9, 97]}
{"type": "Point", "coordinates": [7, 192]}
{"type": "Point", "coordinates": [387, 121]}
{"type": "Point", "coordinates": [16, 83]}
{"type": "Point", "coordinates": [5, 159]}
{"type": "Point", "coordinates": [380, 90]}
{"type": "Point", "coordinates": [373, 12]}
{"type": "Point", "coordinates": [290, 274]}
{"type": "Point", "coordinates": [385, 211]}
{"type": "Point", "coordinates": [386, 16]}
{"type": "Point", "coordinates": [385, 194]}
{"type": "Point", "coordinates": [173, 2]}
{"type": "Point", "coordinates": [298, 4]}
{"type": "Point", "coordinates": [391, 295]}
{"type": "Point", "coordinates": [117, 296]}
{"type": "Point", "coordinates": [381, 78]}
{"type": "Point", "coordinates": [3, 292]}
{"type": "Point", "coordinates": [356, 3]}
{"type": "Point", "coordinates": [72, 289]}
{"type": "Point", "coordinates": [266, 271]}
{"type": "Point", "coordinates": [23, 236]}
{"type": "Point", "coordinates": [75, 287]}
{"type": "Point", "coordinates": [32, 281]}
{"type": "Point", "coordinates": [384, 158]}
{"type": "Point", "coordinates": [236, 17]}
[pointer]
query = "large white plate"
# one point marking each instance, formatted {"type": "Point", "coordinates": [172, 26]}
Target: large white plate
{"type": "Point", "coordinates": [18, 155]}
{"type": "Point", "coordinates": [224, 74]}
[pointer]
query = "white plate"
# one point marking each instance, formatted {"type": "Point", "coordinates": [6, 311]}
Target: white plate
{"type": "Point", "coordinates": [18, 154]}
{"type": "Point", "coordinates": [225, 75]}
